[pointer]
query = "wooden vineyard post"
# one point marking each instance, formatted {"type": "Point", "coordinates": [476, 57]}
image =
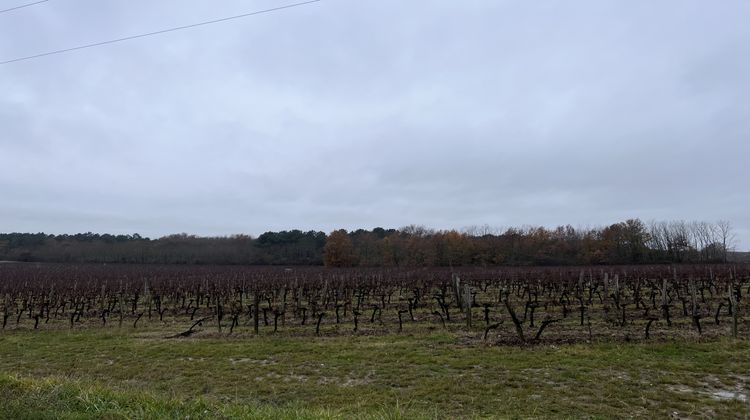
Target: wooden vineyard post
{"type": "Point", "coordinates": [256, 312]}
{"type": "Point", "coordinates": [580, 283]}
{"type": "Point", "coordinates": [694, 304]}
{"type": "Point", "coordinates": [147, 297]}
{"type": "Point", "coordinates": [733, 303]}
{"type": "Point", "coordinates": [102, 298]}
{"type": "Point", "coordinates": [617, 289]}
{"type": "Point", "coordinates": [457, 290]}
{"type": "Point", "coordinates": [219, 313]}
{"type": "Point", "coordinates": [467, 304]}
{"type": "Point", "coordinates": [665, 302]}
{"type": "Point", "coordinates": [581, 295]}
{"type": "Point", "coordinates": [605, 302]}
{"type": "Point", "coordinates": [119, 301]}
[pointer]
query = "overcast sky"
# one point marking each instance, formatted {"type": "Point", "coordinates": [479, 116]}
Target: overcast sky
{"type": "Point", "coordinates": [349, 114]}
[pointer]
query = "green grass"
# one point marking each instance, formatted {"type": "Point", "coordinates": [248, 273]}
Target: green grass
{"type": "Point", "coordinates": [108, 373]}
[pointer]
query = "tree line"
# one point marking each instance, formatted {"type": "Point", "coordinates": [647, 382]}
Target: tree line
{"type": "Point", "coordinates": [629, 242]}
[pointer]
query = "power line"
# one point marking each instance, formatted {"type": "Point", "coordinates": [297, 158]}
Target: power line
{"type": "Point", "coordinates": [178, 28]}
{"type": "Point", "coordinates": [22, 6]}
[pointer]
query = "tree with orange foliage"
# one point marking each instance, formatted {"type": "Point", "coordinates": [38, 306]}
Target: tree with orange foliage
{"type": "Point", "coordinates": [339, 250]}
{"type": "Point", "coordinates": [457, 248]}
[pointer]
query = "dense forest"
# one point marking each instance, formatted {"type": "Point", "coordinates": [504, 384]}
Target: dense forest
{"type": "Point", "coordinates": [629, 242]}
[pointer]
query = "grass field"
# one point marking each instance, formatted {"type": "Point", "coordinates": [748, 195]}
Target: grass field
{"type": "Point", "coordinates": [128, 373]}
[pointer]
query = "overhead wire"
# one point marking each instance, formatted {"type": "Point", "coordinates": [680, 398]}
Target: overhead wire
{"type": "Point", "coordinates": [22, 6]}
{"type": "Point", "coordinates": [162, 31]}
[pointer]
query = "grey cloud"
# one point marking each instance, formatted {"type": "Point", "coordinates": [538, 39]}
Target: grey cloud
{"type": "Point", "coordinates": [359, 114]}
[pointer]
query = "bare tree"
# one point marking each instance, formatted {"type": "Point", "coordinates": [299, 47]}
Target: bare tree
{"type": "Point", "coordinates": [726, 236]}
{"type": "Point", "coordinates": [705, 236]}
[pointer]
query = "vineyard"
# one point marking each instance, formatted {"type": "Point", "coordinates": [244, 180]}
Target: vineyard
{"type": "Point", "coordinates": [492, 305]}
